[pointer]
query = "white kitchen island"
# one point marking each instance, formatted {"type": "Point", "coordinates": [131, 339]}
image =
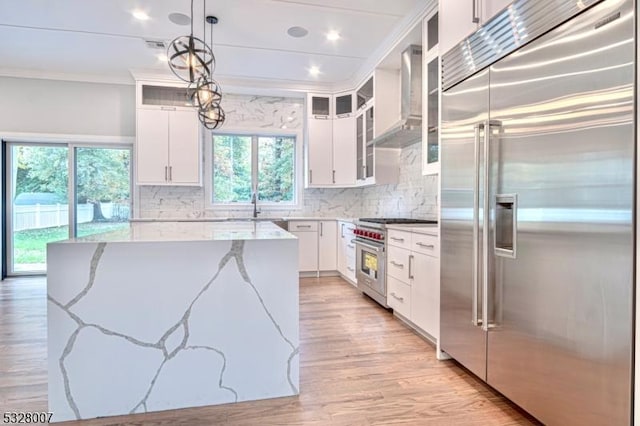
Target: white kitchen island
{"type": "Point", "coordinates": [168, 315]}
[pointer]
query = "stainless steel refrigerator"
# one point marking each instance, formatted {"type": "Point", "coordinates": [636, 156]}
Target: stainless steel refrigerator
{"type": "Point", "coordinates": [537, 221]}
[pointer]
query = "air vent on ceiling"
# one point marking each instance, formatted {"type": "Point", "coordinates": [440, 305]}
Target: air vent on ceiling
{"type": "Point", "coordinates": [155, 44]}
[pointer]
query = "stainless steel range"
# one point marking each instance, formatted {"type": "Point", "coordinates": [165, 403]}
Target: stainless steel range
{"type": "Point", "coordinates": [371, 237]}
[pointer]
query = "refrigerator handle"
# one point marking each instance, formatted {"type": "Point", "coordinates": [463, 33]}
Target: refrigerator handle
{"type": "Point", "coordinates": [475, 316]}
{"type": "Point", "coordinates": [486, 222]}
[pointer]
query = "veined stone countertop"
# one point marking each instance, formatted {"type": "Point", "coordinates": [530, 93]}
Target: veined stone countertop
{"type": "Point", "coordinates": [189, 231]}
{"type": "Point", "coordinates": [260, 219]}
{"type": "Point", "coordinates": [427, 228]}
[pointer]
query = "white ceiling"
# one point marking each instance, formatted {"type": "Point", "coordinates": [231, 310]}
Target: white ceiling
{"type": "Point", "coordinates": [99, 40]}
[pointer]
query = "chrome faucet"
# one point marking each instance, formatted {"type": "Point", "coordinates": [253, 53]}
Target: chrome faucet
{"type": "Point", "coordinates": [254, 201]}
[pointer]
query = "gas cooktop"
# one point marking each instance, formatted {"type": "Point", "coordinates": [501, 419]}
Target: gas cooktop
{"type": "Point", "coordinates": [401, 220]}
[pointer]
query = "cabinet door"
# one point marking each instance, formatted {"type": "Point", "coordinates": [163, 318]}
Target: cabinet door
{"type": "Point", "coordinates": [456, 21]}
{"type": "Point", "coordinates": [491, 7]}
{"type": "Point", "coordinates": [368, 138]}
{"type": "Point", "coordinates": [152, 147]}
{"type": "Point", "coordinates": [184, 148]}
{"type": "Point", "coordinates": [344, 151]}
{"type": "Point", "coordinates": [342, 248]}
{"type": "Point", "coordinates": [343, 105]}
{"type": "Point", "coordinates": [319, 153]}
{"type": "Point", "coordinates": [360, 166]}
{"type": "Point", "coordinates": [307, 250]}
{"type": "Point", "coordinates": [319, 106]}
{"type": "Point", "coordinates": [425, 293]}
{"type": "Point", "coordinates": [328, 245]}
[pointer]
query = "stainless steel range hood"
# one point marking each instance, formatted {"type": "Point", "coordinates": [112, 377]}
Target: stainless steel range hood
{"type": "Point", "coordinates": [408, 130]}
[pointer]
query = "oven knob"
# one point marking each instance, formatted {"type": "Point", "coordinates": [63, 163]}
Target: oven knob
{"type": "Point", "coordinates": [369, 234]}
{"type": "Point", "coordinates": [378, 236]}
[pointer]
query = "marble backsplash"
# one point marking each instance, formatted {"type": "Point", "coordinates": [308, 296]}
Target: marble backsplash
{"type": "Point", "coordinates": [413, 196]}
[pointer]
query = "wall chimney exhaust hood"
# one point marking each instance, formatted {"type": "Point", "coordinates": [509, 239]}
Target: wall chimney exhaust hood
{"type": "Point", "coordinates": [408, 130]}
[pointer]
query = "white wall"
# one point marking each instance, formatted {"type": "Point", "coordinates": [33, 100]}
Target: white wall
{"type": "Point", "coordinates": [65, 107]}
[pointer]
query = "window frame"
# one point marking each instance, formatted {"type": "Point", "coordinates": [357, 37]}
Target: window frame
{"type": "Point", "coordinates": [264, 205]}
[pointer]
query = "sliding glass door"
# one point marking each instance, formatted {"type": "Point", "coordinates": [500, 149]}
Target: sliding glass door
{"type": "Point", "coordinates": [102, 189]}
{"type": "Point", "coordinates": [58, 191]}
{"type": "Point", "coordinates": [38, 202]}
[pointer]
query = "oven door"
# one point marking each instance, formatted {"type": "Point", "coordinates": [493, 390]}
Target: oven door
{"type": "Point", "coordinates": [370, 268]}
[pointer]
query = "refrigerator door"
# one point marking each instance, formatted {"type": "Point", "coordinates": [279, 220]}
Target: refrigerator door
{"type": "Point", "coordinates": [560, 342]}
{"type": "Point", "coordinates": [464, 114]}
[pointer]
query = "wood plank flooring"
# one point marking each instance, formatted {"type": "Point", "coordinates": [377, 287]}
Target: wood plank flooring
{"type": "Point", "coordinates": [359, 366]}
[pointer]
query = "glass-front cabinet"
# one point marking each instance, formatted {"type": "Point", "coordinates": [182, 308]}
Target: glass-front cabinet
{"type": "Point", "coordinates": [431, 97]}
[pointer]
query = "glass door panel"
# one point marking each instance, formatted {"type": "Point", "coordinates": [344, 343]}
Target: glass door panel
{"type": "Point", "coordinates": [102, 189]}
{"type": "Point", "coordinates": [38, 202]}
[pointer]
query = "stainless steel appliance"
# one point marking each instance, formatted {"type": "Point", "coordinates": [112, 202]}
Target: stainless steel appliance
{"type": "Point", "coordinates": [537, 235]}
{"type": "Point", "coordinates": [370, 241]}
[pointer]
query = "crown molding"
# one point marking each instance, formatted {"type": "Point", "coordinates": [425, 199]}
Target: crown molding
{"type": "Point", "coordinates": [64, 76]}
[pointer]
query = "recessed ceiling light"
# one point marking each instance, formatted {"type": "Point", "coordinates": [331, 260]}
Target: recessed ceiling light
{"type": "Point", "coordinates": [161, 57]}
{"type": "Point", "coordinates": [314, 70]}
{"type": "Point", "coordinates": [297, 32]}
{"type": "Point", "coordinates": [284, 126]}
{"type": "Point", "coordinates": [140, 15]}
{"type": "Point", "coordinates": [179, 18]}
{"type": "Point", "coordinates": [333, 36]}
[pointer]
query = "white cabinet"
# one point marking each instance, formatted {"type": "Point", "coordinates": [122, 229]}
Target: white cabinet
{"type": "Point", "coordinates": [307, 233]}
{"type": "Point", "coordinates": [320, 152]}
{"type": "Point", "coordinates": [331, 148]}
{"type": "Point", "coordinates": [425, 293]}
{"type": "Point", "coordinates": [344, 151]}
{"type": "Point", "coordinates": [327, 245]}
{"type": "Point", "coordinates": [378, 110]}
{"type": "Point", "coordinates": [168, 147]}
{"type": "Point", "coordinates": [460, 18]}
{"type": "Point", "coordinates": [430, 96]}
{"type": "Point", "coordinates": [413, 279]}
{"type": "Point", "coordinates": [347, 251]}
{"type": "Point", "coordinates": [317, 244]}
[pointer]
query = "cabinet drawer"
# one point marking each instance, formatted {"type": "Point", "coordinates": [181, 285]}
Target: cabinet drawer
{"type": "Point", "coordinates": [398, 263]}
{"type": "Point", "coordinates": [427, 244]}
{"type": "Point", "coordinates": [303, 225]}
{"type": "Point", "coordinates": [399, 297]}
{"type": "Point", "coordinates": [399, 238]}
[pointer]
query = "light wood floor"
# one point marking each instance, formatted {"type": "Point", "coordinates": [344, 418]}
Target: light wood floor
{"type": "Point", "coordinates": [359, 366]}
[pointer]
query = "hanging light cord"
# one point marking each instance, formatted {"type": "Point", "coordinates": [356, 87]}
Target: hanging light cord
{"type": "Point", "coordinates": [191, 18]}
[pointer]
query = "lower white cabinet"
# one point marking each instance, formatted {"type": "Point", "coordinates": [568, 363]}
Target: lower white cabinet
{"type": "Point", "coordinates": [317, 244]}
{"type": "Point", "coordinates": [413, 279]}
{"type": "Point", "coordinates": [346, 251]}
{"type": "Point", "coordinates": [327, 245]}
{"type": "Point", "coordinates": [307, 233]}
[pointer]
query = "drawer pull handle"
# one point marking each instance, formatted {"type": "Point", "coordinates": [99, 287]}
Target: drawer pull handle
{"type": "Point", "coordinates": [400, 240]}
{"type": "Point", "coordinates": [399, 265]}
{"type": "Point", "coordinates": [425, 245]}
{"type": "Point", "coordinates": [303, 226]}
{"type": "Point", "coordinates": [401, 299]}
{"type": "Point", "coordinates": [351, 269]}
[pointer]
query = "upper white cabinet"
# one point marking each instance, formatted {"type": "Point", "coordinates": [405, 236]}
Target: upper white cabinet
{"type": "Point", "coordinates": [331, 148]}
{"type": "Point", "coordinates": [378, 101]}
{"type": "Point", "coordinates": [460, 18]}
{"type": "Point", "coordinates": [168, 146]}
{"type": "Point", "coordinates": [430, 96]}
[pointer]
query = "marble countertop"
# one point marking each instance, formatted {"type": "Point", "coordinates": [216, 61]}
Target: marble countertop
{"type": "Point", "coordinates": [427, 228]}
{"type": "Point", "coordinates": [259, 219]}
{"type": "Point", "coordinates": [188, 231]}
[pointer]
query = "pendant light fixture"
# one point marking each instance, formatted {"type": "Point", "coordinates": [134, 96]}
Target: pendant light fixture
{"type": "Point", "coordinates": [208, 95]}
{"type": "Point", "coordinates": [192, 60]}
{"type": "Point", "coordinates": [189, 57]}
